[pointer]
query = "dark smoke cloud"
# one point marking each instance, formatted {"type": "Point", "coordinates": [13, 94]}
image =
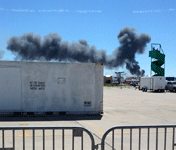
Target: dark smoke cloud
{"type": "Point", "coordinates": [32, 47]}
{"type": "Point", "coordinates": [1, 54]}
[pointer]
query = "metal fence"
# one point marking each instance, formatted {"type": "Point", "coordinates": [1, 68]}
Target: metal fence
{"type": "Point", "coordinates": [14, 139]}
{"type": "Point", "coordinates": [140, 137]}
{"type": "Point", "coordinates": [121, 137]}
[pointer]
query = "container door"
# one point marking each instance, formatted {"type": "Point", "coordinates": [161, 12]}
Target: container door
{"type": "Point", "coordinates": [10, 89]}
{"type": "Point", "coordinates": [152, 85]}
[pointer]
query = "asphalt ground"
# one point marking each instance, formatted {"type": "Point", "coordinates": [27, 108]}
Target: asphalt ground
{"type": "Point", "coordinates": [125, 106]}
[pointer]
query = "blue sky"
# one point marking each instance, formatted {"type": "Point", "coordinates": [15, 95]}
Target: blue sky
{"type": "Point", "coordinates": [97, 21]}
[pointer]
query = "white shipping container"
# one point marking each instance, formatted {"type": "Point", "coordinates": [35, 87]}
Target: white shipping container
{"type": "Point", "coordinates": [153, 83]}
{"type": "Point", "coordinates": [74, 88]}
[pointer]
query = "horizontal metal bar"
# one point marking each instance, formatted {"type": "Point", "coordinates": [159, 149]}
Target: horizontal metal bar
{"type": "Point", "coordinates": [38, 128]}
{"type": "Point", "coordinates": [150, 126]}
{"type": "Point", "coordinates": [54, 127]}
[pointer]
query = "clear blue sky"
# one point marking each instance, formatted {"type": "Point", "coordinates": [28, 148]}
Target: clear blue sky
{"type": "Point", "coordinates": [97, 21]}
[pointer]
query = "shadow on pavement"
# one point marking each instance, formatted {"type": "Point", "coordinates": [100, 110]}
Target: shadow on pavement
{"type": "Point", "coordinates": [50, 117]}
{"type": "Point", "coordinates": [155, 92]}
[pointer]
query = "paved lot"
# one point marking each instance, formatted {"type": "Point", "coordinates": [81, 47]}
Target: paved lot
{"type": "Point", "coordinates": [125, 106]}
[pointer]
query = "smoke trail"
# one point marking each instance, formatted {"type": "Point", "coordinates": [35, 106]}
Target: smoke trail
{"type": "Point", "coordinates": [1, 54]}
{"type": "Point", "coordinates": [31, 47]}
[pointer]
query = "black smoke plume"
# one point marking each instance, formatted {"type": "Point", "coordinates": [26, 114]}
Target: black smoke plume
{"type": "Point", "coordinates": [32, 47]}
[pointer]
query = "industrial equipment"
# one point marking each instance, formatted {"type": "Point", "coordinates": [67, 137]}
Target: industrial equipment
{"type": "Point", "coordinates": [157, 60]}
{"type": "Point", "coordinates": [156, 82]}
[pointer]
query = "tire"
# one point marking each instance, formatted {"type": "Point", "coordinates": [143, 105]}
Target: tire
{"type": "Point", "coordinates": [162, 90]}
{"type": "Point", "coordinates": [174, 90]}
{"type": "Point", "coordinates": [145, 90]}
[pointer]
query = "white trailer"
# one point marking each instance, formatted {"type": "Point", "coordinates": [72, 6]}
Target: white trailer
{"type": "Point", "coordinates": [41, 87]}
{"type": "Point", "coordinates": [154, 83]}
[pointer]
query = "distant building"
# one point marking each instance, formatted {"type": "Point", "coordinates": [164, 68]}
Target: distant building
{"type": "Point", "coordinates": [108, 79]}
{"type": "Point", "coordinates": [128, 81]}
{"type": "Point", "coordinates": [135, 81]}
{"type": "Point", "coordinates": [131, 80]}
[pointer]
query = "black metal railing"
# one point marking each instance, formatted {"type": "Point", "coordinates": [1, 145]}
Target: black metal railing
{"type": "Point", "coordinates": [76, 132]}
{"type": "Point", "coordinates": [138, 140]}
{"type": "Point", "coordinates": [136, 137]}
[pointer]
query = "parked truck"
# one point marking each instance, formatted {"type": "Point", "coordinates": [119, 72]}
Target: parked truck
{"type": "Point", "coordinates": [51, 87]}
{"type": "Point", "coordinates": [154, 83]}
{"type": "Point", "coordinates": [171, 86]}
